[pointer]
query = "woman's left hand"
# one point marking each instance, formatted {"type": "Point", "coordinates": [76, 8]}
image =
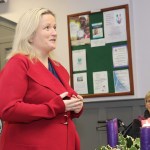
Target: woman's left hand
{"type": "Point", "coordinates": [78, 108]}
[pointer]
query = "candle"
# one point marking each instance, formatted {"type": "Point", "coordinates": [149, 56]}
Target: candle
{"type": "Point", "coordinates": [145, 138]}
{"type": "Point", "coordinates": [145, 135]}
{"type": "Point", "coordinates": [112, 132]}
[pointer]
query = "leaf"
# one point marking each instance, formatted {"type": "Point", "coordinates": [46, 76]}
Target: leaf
{"type": "Point", "coordinates": [129, 141]}
{"type": "Point", "coordinates": [133, 148]}
{"type": "Point", "coordinates": [103, 148]}
{"type": "Point", "coordinates": [137, 141]}
{"type": "Point", "coordinates": [121, 140]}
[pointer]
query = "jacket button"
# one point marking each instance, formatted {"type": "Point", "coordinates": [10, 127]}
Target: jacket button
{"type": "Point", "coordinates": [65, 123]}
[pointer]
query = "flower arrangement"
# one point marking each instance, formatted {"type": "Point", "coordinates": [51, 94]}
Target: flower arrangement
{"type": "Point", "coordinates": [124, 143]}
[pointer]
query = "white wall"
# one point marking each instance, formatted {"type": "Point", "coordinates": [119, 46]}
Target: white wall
{"type": "Point", "coordinates": [142, 41]}
{"type": "Point", "coordinates": [13, 9]}
{"type": "Point", "coordinates": [139, 23]}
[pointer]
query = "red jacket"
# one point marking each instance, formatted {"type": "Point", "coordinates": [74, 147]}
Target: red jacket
{"type": "Point", "coordinates": [32, 109]}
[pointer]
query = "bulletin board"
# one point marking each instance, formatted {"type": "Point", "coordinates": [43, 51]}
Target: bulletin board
{"type": "Point", "coordinates": [100, 52]}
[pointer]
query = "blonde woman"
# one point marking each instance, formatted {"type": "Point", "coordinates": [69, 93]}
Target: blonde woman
{"type": "Point", "coordinates": [147, 105]}
{"type": "Point", "coordinates": [36, 102]}
{"type": "Point", "coordinates": [134, 128]}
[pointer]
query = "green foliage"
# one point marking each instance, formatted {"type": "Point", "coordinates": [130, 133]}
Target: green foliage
{"type": "Point", "coordinates": [127, 143]}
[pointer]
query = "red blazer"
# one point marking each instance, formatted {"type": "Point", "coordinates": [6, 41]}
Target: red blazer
{"type": "Point", "coordinates": [32, 109]}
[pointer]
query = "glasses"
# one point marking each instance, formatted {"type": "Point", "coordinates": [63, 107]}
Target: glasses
{"type": "Point", "coordinates": [147, 101]}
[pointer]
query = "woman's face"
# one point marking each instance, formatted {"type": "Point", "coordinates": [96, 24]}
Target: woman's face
{"type": "Point", "coordinates": [44, 40]}
{"type": "Point", "coordinates": [147, 104]}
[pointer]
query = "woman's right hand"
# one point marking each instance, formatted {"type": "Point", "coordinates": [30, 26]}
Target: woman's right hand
{"type": "Point", "coordinates": [71, 104]}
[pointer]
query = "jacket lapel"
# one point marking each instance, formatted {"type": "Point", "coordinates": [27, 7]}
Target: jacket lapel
{"type": "Point", "coordinates": [63, 76]}
{"type": "Point", "coordinates": [39, 73]}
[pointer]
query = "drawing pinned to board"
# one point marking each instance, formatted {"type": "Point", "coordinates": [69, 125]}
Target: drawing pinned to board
{"type": "Point", "coordinates": [121, 81]}
{"type": "Point", "coordinates": [115, 26]}
{"type": "Point", "coordinates": [80, 83]}
{"type": "Point", "coordinates": [120, 56]}
{"type": "Point", "coordinates": [79, 60]}
{"type": "Point", "coordinates": [79, 30]}
{"type": "Point", "coordinates": [98, 42]}
{"type": "Point", "coordinates": [100, 81]}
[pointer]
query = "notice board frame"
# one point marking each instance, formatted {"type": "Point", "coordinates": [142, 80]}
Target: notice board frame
{"type": "Point", "coordinates": [127, 43]}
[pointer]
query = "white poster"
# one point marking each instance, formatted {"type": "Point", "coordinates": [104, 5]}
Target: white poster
{"type": "Point", "coordinates": [121, 81]}
{"type": "Point", "coordinates": [115, 26]}
{"type": "Point", "coordinates": [79, 60]}
{"type": "Point", "coordinates": [98, 42]}
{"type": "Point", "coordinates": [80, 83]}
{"type": "Point", "coordinates": [120, 56]}
{"type": "Point", "coordinates": [100, 81]}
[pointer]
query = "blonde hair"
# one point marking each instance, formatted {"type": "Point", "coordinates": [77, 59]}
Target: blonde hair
{"type": "Point", "coordinates": [25, 29]}
{"type": "Point", "coordinates": [147, 96]}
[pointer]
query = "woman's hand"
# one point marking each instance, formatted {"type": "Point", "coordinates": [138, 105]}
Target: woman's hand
{"type": "Point", "coordinates": [80, 99]}
{"type": "Point", "coordinates": [74, 104]}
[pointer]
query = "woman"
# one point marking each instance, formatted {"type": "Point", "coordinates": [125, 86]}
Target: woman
{"type": "Point", "coordinates": [36, 101]}
{"type": "Point", "coordinates": [133, 129]}
{"type": "Point", "coordinates": [147, 105]}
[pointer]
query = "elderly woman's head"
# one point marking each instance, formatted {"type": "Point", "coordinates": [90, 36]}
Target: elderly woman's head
{"type": "Point", "coordinates": [35, 33]}
{"type": "Point", "coordinates": [147, 100]}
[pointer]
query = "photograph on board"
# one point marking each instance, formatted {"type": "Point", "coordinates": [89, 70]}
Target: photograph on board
{"type": "Point", "coordinates": [79, 30]}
